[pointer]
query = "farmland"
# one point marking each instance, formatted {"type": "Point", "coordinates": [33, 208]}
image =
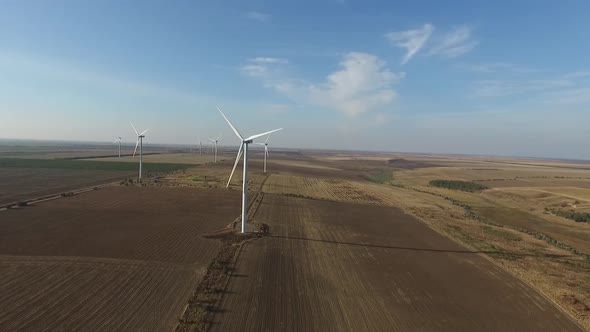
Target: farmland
{"type": "Point", "coordinates": [25, 183]}
{"type": "Point", "coordinates": [121, 258]}
{"type": "Point", "coordinates": [165, 158]}
{"type": "Point", "coordinates": [24, 178]}
{"type": "Point", "coordinates": [358, 241]}
{"type": "Point", "coordinates": [357, 267]}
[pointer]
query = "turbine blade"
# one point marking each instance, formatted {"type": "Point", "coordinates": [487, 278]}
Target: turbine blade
{"type": "Point", "coordinates": [136, 144]}
{"type": "Point", "coordinates": [135, 130]}
{"type": "Point", "coordinates": [143, 132]}
{"type": "Point", "coordinates": [267, 137]}
{"type": "Point", "coordinates": [260, 135]}
{"type": "Point", "coordinates": [231, 125]}
{"type": "Point", "coordinates": [218, 137]}
{"type": "Point", "coordinates": [235, 164]}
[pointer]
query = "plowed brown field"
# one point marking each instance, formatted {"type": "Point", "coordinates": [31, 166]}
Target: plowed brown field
{"type": "Point", "coordinates": [120, 258]}
{"type": "Point", "coordinates": [332, 266]}
{"type": "Point", "coordinates": [26, 183]}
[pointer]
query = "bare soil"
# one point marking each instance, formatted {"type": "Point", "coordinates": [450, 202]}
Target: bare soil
{"type": "Point", "coordinates": [25, 183]}
{"type": "Point", "coordinates": [338, 266]}
{"type": "Point", "coordinates": [120, 258]}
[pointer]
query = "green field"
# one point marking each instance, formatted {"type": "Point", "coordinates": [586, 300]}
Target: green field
{"type": "Point", "coordinates": [90, 165]}
{"type": "Point", "coordinates": [458, 185]}
{"type": "Point", "coordinates": [380, 176]}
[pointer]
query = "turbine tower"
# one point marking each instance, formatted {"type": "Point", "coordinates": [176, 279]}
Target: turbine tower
{"type": "Point", "coordinates": [214, 141]}
{"type": "Point", "coordinates": [119, 141]}
{"type": "Point", "coordinates": [244, 142]}
{"type": "Point", "coordinates": [265, 150]}
{"type": "Point", "coordinates": [200, 147]}
{"type": "Point", "coordinates": [139, 143]}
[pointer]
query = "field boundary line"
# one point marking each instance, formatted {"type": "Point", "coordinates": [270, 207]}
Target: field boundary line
{"type": "Point", "coordinates": [46, 260]}
{"type": "Point", "coordinates": [41, 199]}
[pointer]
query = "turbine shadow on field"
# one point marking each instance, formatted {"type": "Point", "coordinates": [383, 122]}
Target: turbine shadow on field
{"type": "Point", "coordinates": [455, 251]}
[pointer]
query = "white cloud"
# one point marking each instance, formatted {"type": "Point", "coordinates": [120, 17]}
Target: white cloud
{"type": "Point", "coordinates": [411, 40]}
{"type": "Point", "coordinates": [362, 85]}
{"type": "Point", "coordinates": [258, 16]}
{"type": "Point", "coordinates": [454, 43]}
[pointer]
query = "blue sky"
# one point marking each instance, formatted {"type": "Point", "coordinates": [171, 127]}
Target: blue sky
{"type": "Point", "coordinates": [477, 77]}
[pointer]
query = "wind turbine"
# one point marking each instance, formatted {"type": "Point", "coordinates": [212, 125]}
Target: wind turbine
{"type": "Point", "coordinates": [140, 143]}
{"type": "Point", "coordinates": [118, 141]}
{"type": "Point", "coordinates": [265, 150]}
{"type": "Point", "coordinates": [200, 147]}
{"type": "Point", "coordinates": [243, 148]}
{"type": "Point", "coordinates": [214, 141]}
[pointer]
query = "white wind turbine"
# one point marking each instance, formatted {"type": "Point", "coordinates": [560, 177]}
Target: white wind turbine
{"type": "Point", "coordinates": [200, 147]}
{"type": "Point", "coordinates": [140, 144]}
{"type": "Point", "coordinates": [118, 141]}
{"type": "Point", "coordinates": [265, 150]}
{"type": "Point", "coordinates": [214, 141]}
{"type": "Point", "coordinates": [243, 149]}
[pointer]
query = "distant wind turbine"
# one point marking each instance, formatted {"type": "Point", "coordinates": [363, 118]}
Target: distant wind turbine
{"type": "Point", "coordinates": [118, 141]}
{"type": "Point", "coordinates": [214, 141]}
{"type": "Point", "coordinates": [265, 150]}
{"type": "Point", "coordinates": [140, 144]}
{"type": "Point", "coordinates": [200, 147]}
{"type": "Point", "coordinates": [244, 142]}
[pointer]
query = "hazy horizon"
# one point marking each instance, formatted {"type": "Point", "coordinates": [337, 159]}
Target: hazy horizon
{"type": "Point", "coordinates": [497, 79]}
{"type": "Point", "coordinates": [130, 145]}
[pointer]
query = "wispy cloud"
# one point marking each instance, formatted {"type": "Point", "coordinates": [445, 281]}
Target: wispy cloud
{"type": "Point", "coordinates": [454, 43]}
{"type": "Point", "coordinates": [274, 109]}
{"type": "Point", "coordinates": [268, 60]}
{"type": "Point", "coordinates": [498, 68]}
{"type": "Point", "coordinates": [97, 78]}
{"type": "Point", "coordinates": [450, 45]}
{"type": "Point", "coordinates": [411, 40]}
{"type": "Point", "coordinates": [504, 88]}
{"type": "Point", "coordinates": [258, 16]}
{"type": "Point", "coordinates": [571, 96]}
{"type": "Point", "coordinates": [565, 88]}
{"type": "Point", "coordinates": [362, 84]}
{"type": "Point", "coordinates": [263, 67]}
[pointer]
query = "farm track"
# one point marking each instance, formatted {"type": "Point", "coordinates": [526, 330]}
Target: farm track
{"type": "Point", "coordinates": [18, 184]}
{"type": "Point", "coordinates": [118, 258]}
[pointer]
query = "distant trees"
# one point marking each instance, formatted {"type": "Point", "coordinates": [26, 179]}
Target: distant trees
{"type": "Point", "coordinates": [458, 185]}
{"type": "Point", "coordinates": [573, 215]}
